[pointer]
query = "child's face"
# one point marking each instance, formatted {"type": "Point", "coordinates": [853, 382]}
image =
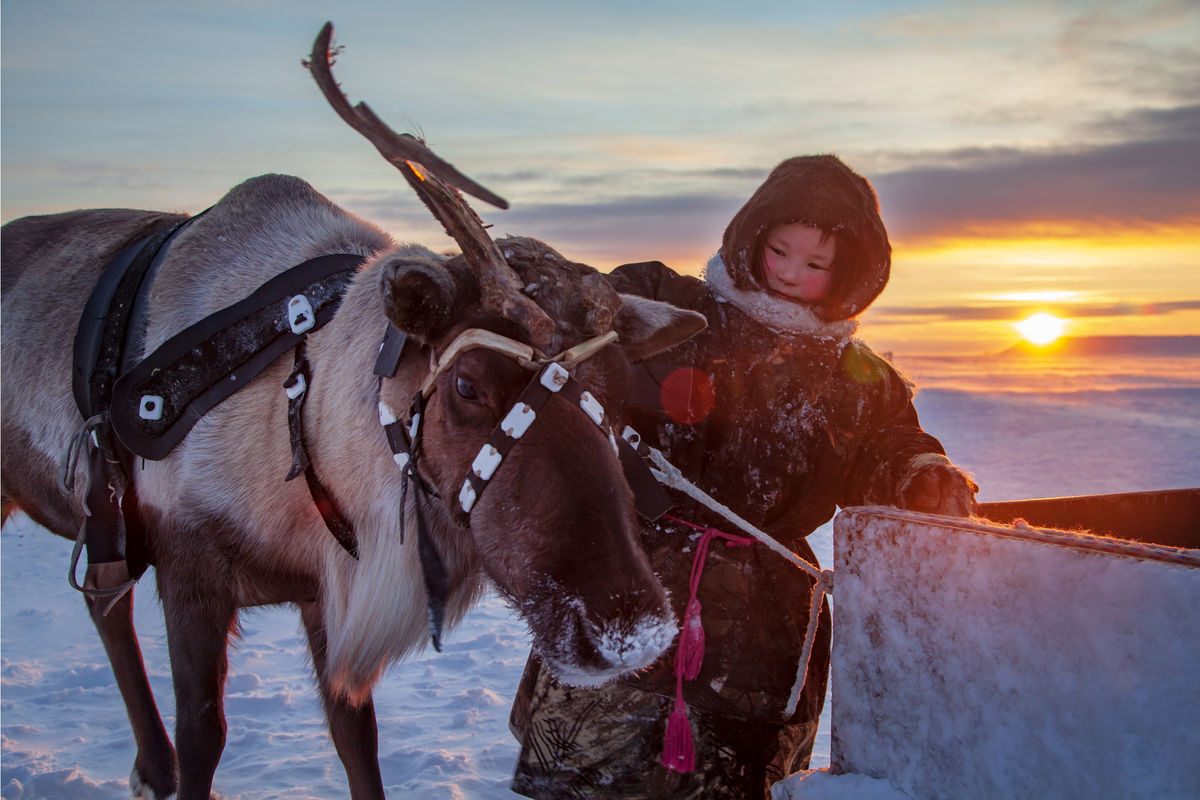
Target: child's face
{"type": "Point", "coordinates": [797, 262]}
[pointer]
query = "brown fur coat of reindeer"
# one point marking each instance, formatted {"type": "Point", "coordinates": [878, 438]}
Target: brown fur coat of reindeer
{"type": "Point", "coordinates": [556, 530]}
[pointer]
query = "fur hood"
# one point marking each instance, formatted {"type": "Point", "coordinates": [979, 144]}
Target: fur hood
{"type": "Point", "coordinates": [822, 192]}
{"type": "Point", "coordinates": [774, 312]}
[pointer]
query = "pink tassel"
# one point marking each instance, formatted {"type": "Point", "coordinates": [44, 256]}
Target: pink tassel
{"type": "Point", "coordinates": [690, 656]}
{"type": "Point", "coordinates": [679, 751]}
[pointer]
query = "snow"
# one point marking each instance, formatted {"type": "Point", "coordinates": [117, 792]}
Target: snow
{"type": "Point", "coordinates": [985, 661]}
{"type": "Point", "coordinates": [1050, 428]}
{"type": "Point", "coordinates": [820, 785]}
{"type": "Point", "coordinates": [443, 718]}
{"type": "Point", "coordinates": [637, 648]}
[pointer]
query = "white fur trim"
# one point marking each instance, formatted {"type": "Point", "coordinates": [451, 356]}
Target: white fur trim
{"type": "Point", "coordinates": [774, 312]}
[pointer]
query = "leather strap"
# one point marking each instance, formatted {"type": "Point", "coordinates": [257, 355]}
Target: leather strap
{"type": "Point", "coordinates": [297, 386]}
{"type": "Point", "coordinates": [205, 363]}
{"type": "Point", "coordinates": [100, 338]}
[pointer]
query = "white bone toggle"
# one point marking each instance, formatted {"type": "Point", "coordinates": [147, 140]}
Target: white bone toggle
{"type": "Point", "coordinates": [554, 377]}
{"type": "Point", "coordinates": [300, 314]}
{"type": "Point", "coordinates": [613, 441]}
{"type": "Point", "coordinates": [386, 414]}
{"type": "Point", "coordinates": [150, 407]}
{"type": "Point", "coordinates": [414, 427]}
{"type": "Point", "coordinates": [630, 435]}
{"type": "Point", "coordinates": [486, 462]}
{"type": "Point", "coordinates": [591, 406]}
{"type": "Point", "coordinates": [401, 460]}
{"type": "Point", "coordinates": [295, 387]}
{"type": "Point", "coordinates": [466, 496]}
{"type": "Point", "coordinates": [518, 420]}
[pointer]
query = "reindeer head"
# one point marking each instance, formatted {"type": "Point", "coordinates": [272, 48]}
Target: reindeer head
{"type": "Point", "coordinates": [556, 528]}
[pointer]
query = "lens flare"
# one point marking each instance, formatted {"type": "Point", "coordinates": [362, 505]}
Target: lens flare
{"type": "Point", "coordinates": [1041, 328]}
{"type": "Point", "coordinates": [688, 395]}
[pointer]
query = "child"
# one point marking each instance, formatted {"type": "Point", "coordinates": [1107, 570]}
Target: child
{"type": "Point", "coordinates": [776, 412]}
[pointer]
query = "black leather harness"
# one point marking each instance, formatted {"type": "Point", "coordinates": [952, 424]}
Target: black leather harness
{"type": "Point", "coordinates": [108, 333]}
{"type": "Point", "coordinates": [144, 408]}
{"type": "Point", "coordinates": [157, 401]}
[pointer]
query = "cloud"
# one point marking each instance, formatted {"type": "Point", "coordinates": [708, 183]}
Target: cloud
{"type": "Point", "coordinates": [650, 151]}
{"type": "Point", "coordinates": [621, 229]}
{"type": "Point", "coordinates": [1010, 311]}
{"type": "Point", "coordinates": [1181, 122]}
{"type": "Point", "coordinates": [1151, 179]}
{"type": "Point", "coordinates": [1146, 174]}
{"type": "Point", "coordinates": [1134, 170]}
{"type": "Point", "coordinates": [1149, 176]}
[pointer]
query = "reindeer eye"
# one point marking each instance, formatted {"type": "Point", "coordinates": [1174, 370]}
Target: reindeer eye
{"type": "Point", "coordinates": [466, 389]}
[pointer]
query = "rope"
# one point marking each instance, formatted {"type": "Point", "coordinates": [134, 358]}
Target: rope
{"type": "Point", "coordinates": [668, 474]}
{"type": "Point", "coordinates": [822, 585]}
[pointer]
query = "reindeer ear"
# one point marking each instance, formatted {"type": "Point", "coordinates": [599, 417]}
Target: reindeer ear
{"type": "Point", "coordinates": [423, 296]}
{"type": "Point", "coordinates": [648, 327]}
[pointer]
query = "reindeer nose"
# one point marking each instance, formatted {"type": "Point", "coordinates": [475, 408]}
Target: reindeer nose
{"type": "Point", "coordinates": [637, 627]}
{"type": "Point", "coordinates": [638, 646]}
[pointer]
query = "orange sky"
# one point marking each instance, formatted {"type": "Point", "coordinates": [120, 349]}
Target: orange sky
{"type": "Point", "coordinates": [965, 294]}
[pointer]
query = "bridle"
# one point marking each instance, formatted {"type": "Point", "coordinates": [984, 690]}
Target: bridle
{"type": "Point", "coordinates": [552, 376]}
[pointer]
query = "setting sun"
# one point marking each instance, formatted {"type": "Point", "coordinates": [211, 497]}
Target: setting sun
{"type": "Point", "coordinates": [1041, 328]}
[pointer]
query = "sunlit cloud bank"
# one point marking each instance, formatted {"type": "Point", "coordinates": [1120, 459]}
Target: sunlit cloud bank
{"type": "Point", "coordinates": [1149, 187]}
{"type": "Point", "coordinates": [965, 295]}
{"type": "Point", "coordinates": [1011, 311]}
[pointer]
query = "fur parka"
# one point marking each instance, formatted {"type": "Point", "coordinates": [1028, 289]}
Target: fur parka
{"type": "Point", "coordinates": [784, 425]}
{"type": "Point", "coordinates": [782, 417]}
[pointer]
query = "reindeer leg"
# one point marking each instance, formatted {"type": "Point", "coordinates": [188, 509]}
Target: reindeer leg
{"type": "Point", "coordinates": [154, 768]}
{"type": "Point", "coordinates": [200, 616]}
{"type": "Point", "coordinates": [355, 734]}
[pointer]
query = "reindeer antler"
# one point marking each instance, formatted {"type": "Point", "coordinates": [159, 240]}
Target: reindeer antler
{"type": "Point", "coordinates": [434, 180]}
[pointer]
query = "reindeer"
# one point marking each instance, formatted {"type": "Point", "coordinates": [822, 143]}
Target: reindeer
{"type": "Point", "coordinates": [555, 529]}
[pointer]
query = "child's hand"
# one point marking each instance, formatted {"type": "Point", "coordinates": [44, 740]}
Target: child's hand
{"type": "Point", "coordinates": [936, 486]}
